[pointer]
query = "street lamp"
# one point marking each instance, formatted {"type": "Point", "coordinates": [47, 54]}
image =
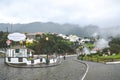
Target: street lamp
{"type": "Point", "coordinates": [47, 61]}
{"type": "Point", "coordinates": [47, 38]}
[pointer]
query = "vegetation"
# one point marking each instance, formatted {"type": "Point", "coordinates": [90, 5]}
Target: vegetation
{"type": "Point", "coordinates": [97, 58]}
{"type": "Point", "coordinates": [104, 56]}
{"type": "Point", "coordinates": [51, 43]}
{"type": "Point", "coordinates": [3, 38]}
{"type": "Point", "coordinates": [45, 43]}
{"type": "Point", "coordinates": [115, 45]}
{"type": "Point", "coordinates": [90, 45]}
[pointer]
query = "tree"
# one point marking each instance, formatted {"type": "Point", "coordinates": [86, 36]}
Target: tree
{"type": "Point", "coordinates": [51, 43]}
{"type": "Point", "coordinates": [3, 38]}
{"type": "Point", "coordinates": [115, 45]}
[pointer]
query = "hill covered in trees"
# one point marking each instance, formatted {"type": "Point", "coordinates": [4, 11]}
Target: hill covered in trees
{"type": "Point", "coordinates": [82, 31]}
{"type": "Point", "coordinates": [50, 27]}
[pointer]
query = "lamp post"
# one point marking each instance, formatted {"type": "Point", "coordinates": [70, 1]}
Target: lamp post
{"type": "Point", "coordinates": [47, 61]}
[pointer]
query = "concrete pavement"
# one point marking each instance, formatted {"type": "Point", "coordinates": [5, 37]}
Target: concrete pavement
{"type": "Point", "coordinates": [68, 70]}
{"type": "Point", "coordinates": [99, 71]}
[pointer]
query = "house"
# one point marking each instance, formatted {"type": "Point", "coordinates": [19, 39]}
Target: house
{"type": "Point", "coordinates": [17, 55]}
{"type": "Point", "coordinates": [73, 38]}
{"type": "Point", "coordinates": [21, 55]}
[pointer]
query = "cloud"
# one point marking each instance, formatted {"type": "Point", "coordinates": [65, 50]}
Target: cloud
{"type": "Point", "coordinates": [83, 12]}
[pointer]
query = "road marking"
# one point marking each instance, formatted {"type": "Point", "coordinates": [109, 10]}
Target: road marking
{"type": "Point", "coordinates": [86, 71]}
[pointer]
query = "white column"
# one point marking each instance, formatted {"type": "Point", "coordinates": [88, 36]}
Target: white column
{"type": "Point", "coordinates": [10, 53]}
{"type": "Point", "coordinates": [25, 52]}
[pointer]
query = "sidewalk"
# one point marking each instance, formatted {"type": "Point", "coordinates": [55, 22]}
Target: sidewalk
{"type": "Point", "coordinates": [116, 62]}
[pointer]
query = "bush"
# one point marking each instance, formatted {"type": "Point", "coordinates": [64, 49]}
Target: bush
{"type": "Point", "coordinates": [3, 55]}
{"type": "Point", "coordinates": [29, 59]}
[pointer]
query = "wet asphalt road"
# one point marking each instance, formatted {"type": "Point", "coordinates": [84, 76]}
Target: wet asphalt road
{"type": "Point", "coordinates": [99, 71]}
{"type": "Point", "coordinates": [68, 70]}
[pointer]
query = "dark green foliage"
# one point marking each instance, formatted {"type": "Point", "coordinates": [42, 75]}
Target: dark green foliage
{"type": "Point", "coordinates": [3, 38]}
{"type": "Point", "coordinates": [115, 41]}
{"type": "Point", "coordinates": [105, 50]}
{"type": "Point", "coordinates": [53, 44]}
{"type": "Point", "coordinates": [115, 45]}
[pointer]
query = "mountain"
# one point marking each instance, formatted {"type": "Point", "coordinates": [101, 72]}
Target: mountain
{"type": "Point", "coordinates": [50, 27]}
{"type": "Point", "coordinates": [36, 27]}
{"type": "Point", "coordinates": [86, 31]}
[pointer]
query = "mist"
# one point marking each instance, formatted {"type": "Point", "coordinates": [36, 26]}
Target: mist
{"type": "Point", "coordinates": [101, 44]}
{"type": "Point", "coordinates": [104, 35]}
{"type": "Point", "coordinates": [110, 32]}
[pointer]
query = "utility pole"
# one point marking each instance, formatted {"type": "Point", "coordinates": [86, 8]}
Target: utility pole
{"type": "Point", "coordinates": [11, 27]}
{"type": "Point", "coordinates": [7, 29]}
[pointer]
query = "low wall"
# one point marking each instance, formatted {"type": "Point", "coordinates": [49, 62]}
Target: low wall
{"type": "Point", "coordinates": [29, 62]}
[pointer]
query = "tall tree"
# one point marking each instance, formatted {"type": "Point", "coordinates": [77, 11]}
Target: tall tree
{"type": "Point", "coordinates": [51, 43]}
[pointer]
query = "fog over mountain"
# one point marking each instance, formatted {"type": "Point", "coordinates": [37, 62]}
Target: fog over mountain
{"type": "Point", "coordinates": [82, 31]}
{"type": "Point", "coordinates": [112, 31]}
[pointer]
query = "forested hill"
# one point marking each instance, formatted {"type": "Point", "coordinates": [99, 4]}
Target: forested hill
{"type": "Point", "coordinates": [83, 31]}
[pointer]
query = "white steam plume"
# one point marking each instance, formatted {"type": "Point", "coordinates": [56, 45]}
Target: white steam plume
{"type": "Point", "coordinates": [101, 44]}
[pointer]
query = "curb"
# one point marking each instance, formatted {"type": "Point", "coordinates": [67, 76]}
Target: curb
{"type": "Point", "coordinates": [117, 62]}
{"type": "Point", "coordinates": [87, 68]}
{"type": "Point", "coordinates": [35, 66]}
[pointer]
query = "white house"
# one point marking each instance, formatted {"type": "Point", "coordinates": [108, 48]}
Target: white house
{"type": "Point", "coordinates": [73, 38]}
{"type": "Point", "coordinates": [84, 40]}
{"type": "Point", "coordinates": [17, 55]}
{"type": "Point", "coordinates": [20, 54]}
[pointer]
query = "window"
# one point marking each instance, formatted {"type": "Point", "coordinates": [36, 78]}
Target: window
{"type": "Point", "coordinates": [17, 50]}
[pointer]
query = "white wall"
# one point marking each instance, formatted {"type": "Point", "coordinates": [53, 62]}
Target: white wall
{"type": "Point", "coordinates": [15, 60]}
{"type": "Point", "coordinates": [36, 61]}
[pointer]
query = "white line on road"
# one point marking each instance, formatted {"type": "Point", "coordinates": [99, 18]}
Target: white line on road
{"type": "Point", "coordinates": [86, 71]}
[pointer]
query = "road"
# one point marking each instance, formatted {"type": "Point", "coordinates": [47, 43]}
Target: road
{"type": "Point", "coordinates": [99, 71]}
{"type": "Point", "coordinates": [69, 69]}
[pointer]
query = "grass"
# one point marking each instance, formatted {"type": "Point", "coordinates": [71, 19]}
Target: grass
{"type": "Point", "coordinates": [89, 45]}
{"type": "Point", "coordinates": [111, 56]}
{"type": "Point", "coordinates": [2, 55]}
{"type": "Point", "coordinates": [103, 59]}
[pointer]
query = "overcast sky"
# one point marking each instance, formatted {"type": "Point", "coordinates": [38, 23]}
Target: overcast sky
{"type": "Point", "coordinates": [104, 13]}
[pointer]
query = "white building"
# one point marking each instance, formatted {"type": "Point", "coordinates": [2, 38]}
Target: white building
{"type": "Point", "coordinates": [20, 55]}
{"type": "Point", "coordinates": [84, 40]}
{"type": "Point", "coordinates": [17, 55]}
{"type": "Point", "coordinates": [73, 38]}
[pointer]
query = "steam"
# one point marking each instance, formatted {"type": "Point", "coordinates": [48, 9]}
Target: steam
{"type": "Point", "coordinates": [86, 50]}
{"type": "Point", "coordinates": [107, 32]}
{"type": "Point", "coordinates": [101, 44]}
{"type": "Point", "coordinates": [105, 35]}
{"type": "Point", "coordinates": [95, 35]}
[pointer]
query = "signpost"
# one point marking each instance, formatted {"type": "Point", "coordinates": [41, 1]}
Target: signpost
{"type": "Point", "coordinates": [8, 42]}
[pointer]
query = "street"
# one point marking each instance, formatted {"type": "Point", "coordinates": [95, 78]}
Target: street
{"type": "Point", "coordinates": [99, 71]}
{"type": "Point", "coordinates": [69, 69]}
